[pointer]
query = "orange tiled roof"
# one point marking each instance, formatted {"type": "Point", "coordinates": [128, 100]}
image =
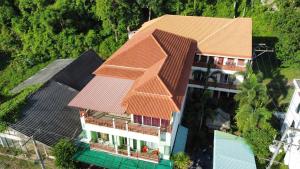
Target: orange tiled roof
{"type": "Point", "coordinates": [156, 60]}
{"type": "Point", "coordinates": [218, 36]}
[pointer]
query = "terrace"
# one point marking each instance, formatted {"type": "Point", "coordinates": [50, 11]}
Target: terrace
{"type": "Point", "coordinates": [150, 155]}
{"type": "Point", "coordinates": [122, 123]}
{"type": "Point", "coordinates": [215, 84]}
{"type": "Point", "coordinates": [108, 160]}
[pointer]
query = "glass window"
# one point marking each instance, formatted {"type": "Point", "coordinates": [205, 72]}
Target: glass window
{"type": "Point", "coordinates": [241, 62]}
{"type": "Point", "coordinates": [137, 119]}
{"type": "Point", "coordinates": [203, 59]}
{"type": "Point", "coordinates": [220, 61]}
{"type": "Point", "coordinates": [165, 123]}
{"type": "Point", "coordinates": [230, 61]}
{"type": "Point", "coordinates": [155, 122]}
{"type": "Point", "coordinates": [147, 120]}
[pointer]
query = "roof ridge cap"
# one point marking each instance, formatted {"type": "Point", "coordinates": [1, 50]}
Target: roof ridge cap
{"type": "Point", "coordinates": [158, 44]}
{"type": "Point", "coordinates": [124, 67]}
{"type": "Point", "coordinates": [218, 30]}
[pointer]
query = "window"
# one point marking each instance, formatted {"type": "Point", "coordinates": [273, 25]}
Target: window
{"type": "Point", "coordinates": [137, 119]}
{"type": "Point", "coordinates": [155, 122]}
{"type": "Point", "coordinates": [165, 123]}
{"type": "Point", "coordinates": [298, 109]}
{"type": "Point", "coordinates": [203, 59]}
{"type": "Point", "coordinates": [147, 120]}
{"type": "Point", "coordinates": [220, 61]}
{"type": "Point", "coordinates": [211, 60]}
{"type": "Point", "coordinates": [241, 62]}
{"type": "Point", "coordinates": [230, 61]}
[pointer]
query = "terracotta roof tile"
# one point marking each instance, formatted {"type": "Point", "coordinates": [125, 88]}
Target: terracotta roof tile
{"type": "Point", "coordinates": [219, 36]}
{"type": "Point", "coordinates": [151, 105]}
{"type": "Point", "coordinates": [114, 71]}
{"type": "Point", "coordinates": [155, 60]}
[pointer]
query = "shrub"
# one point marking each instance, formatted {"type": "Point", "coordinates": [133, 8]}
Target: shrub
{"type": "Point", "coordinates": [181, 160]}
{"type": "Point", "coordinates": [64, 151]}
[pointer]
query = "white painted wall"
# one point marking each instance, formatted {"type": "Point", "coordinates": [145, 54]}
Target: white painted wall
{"type": "Point", "coordinates": [292, 157]}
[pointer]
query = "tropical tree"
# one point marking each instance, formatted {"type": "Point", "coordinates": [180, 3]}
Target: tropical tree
{"type": "Point", "coordinates": [252, 116]}
{"type": "Point", "coordinates": [64, 151]}
{"type": "Point", "coordinates": [181, 160]}
{"type": "Point", "coordinates": [204, 77]}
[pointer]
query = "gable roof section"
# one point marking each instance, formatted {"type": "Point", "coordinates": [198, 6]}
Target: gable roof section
{"type": "Point", "coordinates": [219, 36]}
{"type": "Point", "coordinates": [156, 61]}
{"type": "Point", "coordinates": [103, 94]}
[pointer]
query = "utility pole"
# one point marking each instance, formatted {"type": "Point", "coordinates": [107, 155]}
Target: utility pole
{"type": "Point", "coordinates": [280, 143]}
{"type": "Point", "coordinates": [38, 154]}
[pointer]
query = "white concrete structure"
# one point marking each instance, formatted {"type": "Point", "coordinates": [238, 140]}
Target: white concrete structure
{"type": "Point", "coordinates": [128, 135]}
{"type": "Point", "coordinates": [292, 119]}
{"type": "Point", "coordinates": [225, 70]}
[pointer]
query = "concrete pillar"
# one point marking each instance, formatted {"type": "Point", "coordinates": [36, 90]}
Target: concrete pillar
{"type": "Point", "coordinates": [225, 60]}
{"type": "Point", "coordinates": [1, 142]}
{"type": "Point", "coordinates": [138, 145]}
{"type": "Point", "coordinates": [114, 124]}
{"type": "Point", "coordinates": [128, 140]}
{"type": "Point", "coordinates": [116, 144]}
{"type": "Point", "coordinates": [128, 147]}
{"type": "Point", "coordinates": [88, 135]}
{"type": "Point", "coordinates": [110, 138]}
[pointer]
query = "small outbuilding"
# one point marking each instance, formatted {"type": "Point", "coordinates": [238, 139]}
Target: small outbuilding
{"type": "Point", "coordinates": [232, 152]}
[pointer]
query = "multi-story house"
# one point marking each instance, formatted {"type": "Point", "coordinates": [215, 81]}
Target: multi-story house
{"type": "Point", "coordinates": [134, 104]}
{"type": "Point", "coordinates": [292, 119]}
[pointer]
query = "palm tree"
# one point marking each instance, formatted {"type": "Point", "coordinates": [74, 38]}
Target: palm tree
{"type": "Point", "coordinates": [205, 95]}
{"type": "Point", "coordinates": [181, 160]}
{"type": "Point", "coordinates": [252, 100]}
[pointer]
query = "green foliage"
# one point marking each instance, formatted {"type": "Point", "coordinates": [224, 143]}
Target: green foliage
{"type": "Point", "coordinates": [9, 110]}
{"type": "Point", "coordinates": [181, 160]}
{"type": "Point", "coordinates": [252, 116]}
{"type": "Point", "coordinates": [63, 152]}
{"type": "Point", "coordinates": [260, 139]}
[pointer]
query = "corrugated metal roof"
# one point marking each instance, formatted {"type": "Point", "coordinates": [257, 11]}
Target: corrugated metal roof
{"type": "Point", "coordinates": [103, 94]}
{"type": "Point", "coordinates": [232, 152]}
{"type": "Point", "coordinates": [219, 36]}
{"type": "Point", "coordinates": [46, 110]}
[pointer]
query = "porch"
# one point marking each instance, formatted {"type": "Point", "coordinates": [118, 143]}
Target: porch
{"type": "Point", "coordinates": [111, 161]}
{"type": "Point", "coordinates": [122, 123]}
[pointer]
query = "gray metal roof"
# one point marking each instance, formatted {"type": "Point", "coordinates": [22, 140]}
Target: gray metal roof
{"type": "Point", "coordinates": [43, 75]}
{"type": "Point", "coordinates": [46, 114]}
{"type": "Point", "coordinates": [47, 111]}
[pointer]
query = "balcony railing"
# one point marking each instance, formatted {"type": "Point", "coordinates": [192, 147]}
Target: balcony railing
{"type": "Point", "coordinates": [227, 66]}
{"type": "Point", "coordinates": [98, 146]}
{"type": "Point", "coordinates": [152, 156]}
{"type": "Point", "coordinates": [121, 124]}
{"type": "Point", "coordinates": [213, 84]}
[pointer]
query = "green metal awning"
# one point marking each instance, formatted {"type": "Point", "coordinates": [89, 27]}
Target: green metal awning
{"type": "Point", "coordinates": [110, 161]}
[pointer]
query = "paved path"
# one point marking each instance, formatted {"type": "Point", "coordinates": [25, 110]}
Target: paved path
{"type": "Point", "coordinates": [43, 75]}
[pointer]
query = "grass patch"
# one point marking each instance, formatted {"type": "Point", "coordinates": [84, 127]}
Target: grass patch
{"type": "Point", "coordinates": [13, 163]}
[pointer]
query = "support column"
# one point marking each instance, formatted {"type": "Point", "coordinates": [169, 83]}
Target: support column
{"type": "Point", "coordinates": [1, 142]}
{"type": "Point", "coordinates": [138, 145]}
{"type": "Point", "coordinates": [116, 143]}
{"type": "Point", "coordinates": [219, 93]}
{"type": "Point", "coordinates": [128, 141]}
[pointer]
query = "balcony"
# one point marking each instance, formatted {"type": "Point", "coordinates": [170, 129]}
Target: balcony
{"type": "Point", "coordinates": [151, 155]}
{"type": "Point", "coordinates": [104, 119]}
{"type": "Point", "coordinates": [227, 66]}
{"type": "Point", "coordinates": [214, 84]}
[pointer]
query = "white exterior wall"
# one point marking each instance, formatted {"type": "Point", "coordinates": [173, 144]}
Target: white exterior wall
{"type": "Point", "coordinates": [292, 157]}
